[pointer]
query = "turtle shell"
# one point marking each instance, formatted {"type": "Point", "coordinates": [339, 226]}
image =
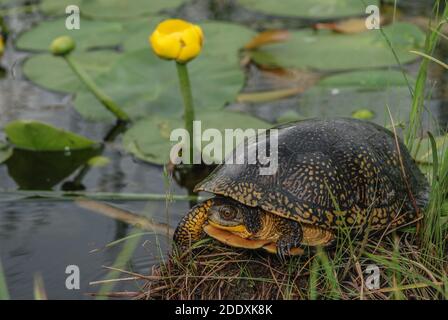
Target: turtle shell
{"type": "Point", "coordinates": [330, 173]}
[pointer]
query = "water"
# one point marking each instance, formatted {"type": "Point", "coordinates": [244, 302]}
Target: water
{"type": "Point", "coordinates": [39, 236]}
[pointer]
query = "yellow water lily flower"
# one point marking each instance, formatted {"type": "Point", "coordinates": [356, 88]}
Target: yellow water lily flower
{"type": "Point", "coordinates": [176, 39]}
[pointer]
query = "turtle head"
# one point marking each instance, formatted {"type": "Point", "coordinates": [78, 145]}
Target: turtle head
{"type": "Point", "coordinates": [228, 214]}
{"type": "Point", "coordinates": [224, 215]}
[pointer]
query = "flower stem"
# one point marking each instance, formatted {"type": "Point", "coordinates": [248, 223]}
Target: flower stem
{"type": "Point", "coordinates": [185, 88]}
{"type": "Point", "coordinates": [105, 100]}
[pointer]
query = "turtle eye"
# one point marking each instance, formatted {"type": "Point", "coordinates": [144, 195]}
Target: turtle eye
{"type": "Point", "coordinates": [227, 213]}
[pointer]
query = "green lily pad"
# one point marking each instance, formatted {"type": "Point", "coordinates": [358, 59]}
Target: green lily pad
{"type": "Point", "coordinates": [143, 84]}
{"type": "Point", "coordinates": [309, 8]}
{"type": "Point", "coordinates": [5, 152]}
{"type": "Point", "coordinates": [54, 73]}
{"type": "Point", "coordinates": [149, 139]}
{"type": "Point", "coordinates": [122, 9]}
{"type": "Point", "coordinates": [92, 34]}
{"type": "Point", "coordinates": [38, 136]}
{"type": "Point", "coordinates": [138, 31]}
{"type": "Point", "coordinates": [57, 7]}
{"type": "Point", "coordinates": [325, 50]}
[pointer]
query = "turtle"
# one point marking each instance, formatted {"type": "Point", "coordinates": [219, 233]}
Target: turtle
{"type": "Point", "coordinates": [331, 174]}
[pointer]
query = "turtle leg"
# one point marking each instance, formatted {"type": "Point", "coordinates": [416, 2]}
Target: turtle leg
{"type": "Point", "coordinates": [291, 237]}
{"type": "Point", "coordinates": [190, 229]}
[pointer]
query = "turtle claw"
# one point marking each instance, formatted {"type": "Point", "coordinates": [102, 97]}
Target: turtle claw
{"type": "Point", "coordinates": [286, 244]}
{"type": "Point", "coordinates": [291, 239]}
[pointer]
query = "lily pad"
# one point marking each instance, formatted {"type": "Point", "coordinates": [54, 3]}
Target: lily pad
{"type": "Point", "coordinates": [143, 84]}
{"type": "Point", "coordinates": [38, 136]}
{"type": "Point", "coordinates": [122, 9]}
{"type": "Point", "coordinates": [309, 8]}
{"type": "Point", "coordinates": [92, 34]}
{"type": "Point", "coordinates": [5, 152]}
{"type": "Point", "coordinates": [149, 139]}
{"type": "Point", "coordinates": [57, 7]}
{"type": "Point", "coordinates": [324, 50]}
{"type": "Point", "coordinates": [54, 73]}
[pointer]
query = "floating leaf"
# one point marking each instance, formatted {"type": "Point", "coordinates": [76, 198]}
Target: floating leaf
{"type": "Point", "coordinates": [122, 9]}
{"type": "Point", "coordinates": [38, 136]}
{"type": "Point", "coordinates": [57, 7]}
{"type": "Point", "coordinates": [328, 51]}
{"type": "Point", "coordinates": [5, 152]}
{"type": "Point", "coordinates": [54, 73]}
{"type": "Point", "coordinates": [309, 8]}
{"type": "Point", "coordinates": [149, 140]}
{"type": "Point", "coordinates": [92, 34]}
{"type": "Point", "coordinates": [143, 84]}
{"type": "Point", "coordinates": [137, 32]}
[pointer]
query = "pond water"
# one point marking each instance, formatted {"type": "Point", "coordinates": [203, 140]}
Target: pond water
{"type": "Point", "coordinates": [41, 236]}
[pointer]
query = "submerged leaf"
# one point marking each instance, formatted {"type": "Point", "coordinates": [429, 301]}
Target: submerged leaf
{"type": "Point", "coordinates": [42, 170]}
{"type": "Point", "coordinates": [38, 136]}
